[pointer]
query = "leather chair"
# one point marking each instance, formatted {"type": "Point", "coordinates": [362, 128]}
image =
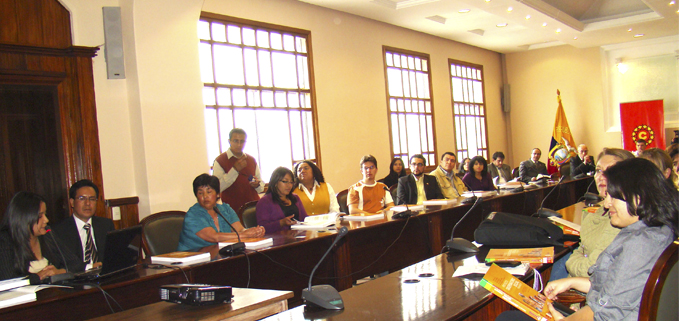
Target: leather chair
{"type": "Point", "coordinates": [342, 200]}
{"type": "Point", "coordinates": [393, 190]}
{"type": "Point", "coordinates": [515, 172]}
{"type": "Point", "coordinates": [659, 299]}
{"type": "Point", "coordinates": [248, 214]}
{"type": "Point", "coordinates": [565, 170]}
{"type": "Point", "coordinates": [160, 232]}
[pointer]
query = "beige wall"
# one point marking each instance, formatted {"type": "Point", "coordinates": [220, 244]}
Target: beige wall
{"type": "Point", "coordinates": [535, 76]}
{"type": "Point", "coordinates": [151, 124]}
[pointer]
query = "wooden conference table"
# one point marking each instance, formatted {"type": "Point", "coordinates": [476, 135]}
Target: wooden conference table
{"type": "Point", "coordinates": [286, 265]}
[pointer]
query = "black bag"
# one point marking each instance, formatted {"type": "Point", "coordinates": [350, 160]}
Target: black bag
{"type": "Point", "coordinates": [505, 229]}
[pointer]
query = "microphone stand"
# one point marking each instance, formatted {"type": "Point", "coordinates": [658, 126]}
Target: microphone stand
{"type": "Point", "coordinates": [324, 296]}
{"type": "Point", "coordinates": [546, 212]}
{"type": "Point", "coordinates": [405, 214]}
{"type": "Point", "coordinates": [54, 279]}
{"type": "Point", "coordinates": [459, 244]}
{"type": "Point", "coordinates": [234, 248]}
{"type": "Point", "coordinates": [591, 198]}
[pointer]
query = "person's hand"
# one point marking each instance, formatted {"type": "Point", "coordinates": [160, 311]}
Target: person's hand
{"type": "Point", "coordinates": [534, 179]}
{"type": "Point", "coordinates": [255, 182]}
{"type": "Point", "coordinates": [556, 315]}
{"type": "Point", "coordinates": [257, 231]}
{"type": "Point", "coordinates": [555, 287]}
{"type": "Point", "coordinates": [96, 265]}
{"type": "Point", "coordinates": [287, 221]}
{"type": "Point", "coordinates": [240, 164]}
{"type": "Point", "coordinates": [48, 271]}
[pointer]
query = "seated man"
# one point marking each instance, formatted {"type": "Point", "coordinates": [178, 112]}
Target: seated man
{"type": "Point", "coordinates": [582, 164]}
{"type": "Point", "coordinates": [641, 146]}
{"type": "Point", "coordinates": [368, 196]}
{"type": "Point", "coordinates": [499, 171]}
{"type": "Point", "coordinates": [529, 169]}
{"type": "Point", "coordinates": [450, 184]}
{"type": "Point", "coordinates": [417, 187]}
{"type": "Point", "coordinates": [84, 234]}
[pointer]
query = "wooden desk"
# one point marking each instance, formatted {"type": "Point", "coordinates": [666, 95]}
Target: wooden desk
{"type": "Point", "coordinates": [248, 304]}
{"type": "Point", "coordinates": [286, 265]}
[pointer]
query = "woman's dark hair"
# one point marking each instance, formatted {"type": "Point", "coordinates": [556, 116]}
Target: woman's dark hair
{"type": "Point", "coordinates": [318, 176]}
{"type": "Point", "coordinates": [22, 213]}
{"type": "Point", "coordinates": [277, 176]}
{"type": "Point", "coordinates": [648, 194]}
{"type": "Point", "coordinates": [462, 171]}
{"type": "Point", "coordinates": [205, 180]}
{"type": "Point", "coordinates": [394, 174]}
{"type": "Point", "coordinates": [480, 160]}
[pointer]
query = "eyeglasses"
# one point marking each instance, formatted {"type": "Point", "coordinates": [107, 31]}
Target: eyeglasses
{"type": "Point", "coordinates": [599, 171]}
{"type": "Point", "coordinates": [85, 198]}
{"type": "Point", "coordinates": [365, 168]}
{"type": "Point", "coordinates": [288, 182]}
{"type": "Point", "coordinates": [417, 164]}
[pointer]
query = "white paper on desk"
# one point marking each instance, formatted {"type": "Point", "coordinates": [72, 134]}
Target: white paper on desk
{"type": "Point", "coordinates": [402, 208]}
{"type": "Point", "coordinates": [482, 268]}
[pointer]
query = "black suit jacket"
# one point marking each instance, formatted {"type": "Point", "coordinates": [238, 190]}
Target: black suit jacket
{"type": "Point", "coordinates": [68, 234]}
{"type": "Point", "coordinates": [407, 189]}
{"type": "Point", "coordinates": [528, 169]}
{"type": "Point", "coordinates": [580, 167]}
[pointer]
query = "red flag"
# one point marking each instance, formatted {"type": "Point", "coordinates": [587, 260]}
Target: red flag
{"type": "Point", "coordinates": [643, 120]}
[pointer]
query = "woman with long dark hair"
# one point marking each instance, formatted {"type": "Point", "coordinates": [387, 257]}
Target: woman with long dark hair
{"type": "Point", "coordinates": [478, 178]}
{"type": "Point", "coordinates": [396, 171]}
{"type": "Point", "coordinates": [280, 208]}
{"type": "Point", "coordinates": [24, 249]}
{"type": "Point", "coordinates": [317, 196]}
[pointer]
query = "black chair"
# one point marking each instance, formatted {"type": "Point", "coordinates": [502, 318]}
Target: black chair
{"type": "Point", "coordinates": [393, 190]}
{"type": "Point", "coordinates": [659, 299]}
{"type": "Point", "coordinates": [248, 214]}
{"type": "Point", "coordinates": [342, 200]}
{"type": "Point", "coordinates": [160, 232]}
{"type": "Point", "coordinates": [565, 170]}
{"type": "Point", "coordinates": [515, 172]}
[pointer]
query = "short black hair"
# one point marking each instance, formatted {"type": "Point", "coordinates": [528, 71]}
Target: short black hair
{"type": "Point", "coordinates": [203, 180]}
{"type": "Point", "coordinates": [450, 154]}
{"type": "Point", "coordinates": [420, 156]}
{"type": "Point", "coordinates": [80, 184]}
{"type": "Point", "coordinates": [498, 154]}
{"type": "Point", "coordinates": [237, 131]}
{"type": "Point", "coordinates": [318, 175]}
{"type": "Point", "coordinates": [641, 141]}
{"type": "Point", "coordinates": [368, 158]}
{"type": "Point", "coordinates": [480, 160]}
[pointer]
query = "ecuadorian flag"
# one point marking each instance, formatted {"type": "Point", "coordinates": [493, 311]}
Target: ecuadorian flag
{"type": "Point", "coordinates": [561, 148]}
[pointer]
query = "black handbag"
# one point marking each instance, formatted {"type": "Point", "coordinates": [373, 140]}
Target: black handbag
{"type": "Point", "coordinates": [513, 230]}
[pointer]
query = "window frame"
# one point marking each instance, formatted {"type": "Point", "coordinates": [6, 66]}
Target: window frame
{"type": "Point", "coordinates": [226, 20]}
{"type": "Point", "coordinates": [427, 58]}
{"type": "Point", "coordinates": [484, 115]}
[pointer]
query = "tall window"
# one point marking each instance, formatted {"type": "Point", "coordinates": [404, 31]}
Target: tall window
{"type": "Point", "coordinates": [411, 115]}
{"type": "Point", "coordinates": [469, 109]}
{"type": "Point", "coordinates": [258, 77]}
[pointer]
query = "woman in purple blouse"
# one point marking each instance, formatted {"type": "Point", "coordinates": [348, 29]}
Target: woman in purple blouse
{"type": "Point", "coordinates": [478, 178]}
{"type": "Point", "coordinates": [280, 208]}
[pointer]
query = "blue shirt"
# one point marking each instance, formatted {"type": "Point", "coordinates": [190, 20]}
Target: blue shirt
{"type": "Point", "coordinates": [197, 219]}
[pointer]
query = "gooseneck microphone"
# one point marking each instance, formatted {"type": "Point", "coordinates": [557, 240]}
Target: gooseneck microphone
{"type": "Point", "coordinates": [459, 244]}
{"type": "Point", "coordinates": [58, 278]}
{"type": "Point", "coordinates": [469, 200]}
{"type": "Point", "coordinates": [591, 198]}
{"type": "Point", "coordinates": [404, 214]}
{"type": "Point", "coordinates": [234, 248]}
{"type": "Point", "coordinates": [324, 296]}
{"type": "Point", "coordinates": [546, 212]}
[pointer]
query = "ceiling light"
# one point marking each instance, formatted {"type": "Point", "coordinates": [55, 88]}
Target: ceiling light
{"type": "Point", "coordinates": [501, 25]}
{"type": "Point", "coordinates": [487, 0]}
{"type": "Point", "coordinates": [575, 38]}
{"type": "Point", "coordinates": [672, 3]}
{"type": "Point", "coordinates": [544, 24]}
{"type": "Point", "coordinates": [464, 10]}
{"type": "Point", "coordinates": [629, 30]}
{"type": "Point", "coordinates": [622, 67]}
{"type": "Point", "coordinates": [558, 30]}
{"type": "Point", "coordinates": [527, 17]}
{"type": "Point", "coordinates": [638, 35]}
{"type": "Point", "coordinates": [510, 9]}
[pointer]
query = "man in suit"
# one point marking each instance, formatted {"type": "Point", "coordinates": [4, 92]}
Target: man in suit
{"type": "Point", "coordinates": [417, 187]}
{"type": "Point", "coordinates": [499, 171]}
{"type": "Point", "coordinates": [84, 234]}
{"type": "Point", "coordinates": [582, 163]}
{"type": "Point", "coordinates": [450, 184]}
{"type": "Point", "coordinates": [529, 169]}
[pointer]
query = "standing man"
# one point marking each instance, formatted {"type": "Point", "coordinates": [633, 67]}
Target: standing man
{"type": "Point", "coordinates": [582, 164]}
{"type": "Point", "coordinates": [417, 187]}
{"type": "Point", "coordinates": [499, 171]}
{"type": "Point", "coordinates": [641, 146]}
{"type": "Point", "coordinates": [450, 184]}
{"type": "Point", "coordinates": [239, 178]}
{"type": "Point", "coordinates": [84, 234]}
{"type": "Point", "coordinates": [530, 169]}
{"type": "Point", "coordinates": [369, 195]}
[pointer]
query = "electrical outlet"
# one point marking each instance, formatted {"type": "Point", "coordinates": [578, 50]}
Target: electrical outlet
{"type": "Point", "coordinates": [115, 212]}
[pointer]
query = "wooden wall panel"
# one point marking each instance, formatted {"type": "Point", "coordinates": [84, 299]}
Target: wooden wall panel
{"type": "Point", "coordinates": [41, 23]}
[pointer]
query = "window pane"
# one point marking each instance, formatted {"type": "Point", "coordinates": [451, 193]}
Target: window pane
{"type": "Point", "coordinates": [205, 53]}
{"type": "Point", "coordinates": [239, 97]}
{"type": "Point", "coordinates": [276, 41]}
{"type": "Point", "coordinates": [263, 38]}
{"type": "Point", "coordinates": [288, 43]}
{"type": "Point", "coordinates": [233, 34]}
{"type": "Point", "coordinates": [218, 32]}
{"type": "Point", "coordinates": [229, 65]}
{"type": "Point", "coordinates": [394, 134]}
{"type": "Point", "coordinates": [211, 134]}
{"type": "Point", "coordinates": [394, 80]}
{"type": "Point", "coordinates": [251, 72]}
{"type": "Point", "coordinates": [267, 98]}
{"type": "Point", "coordinates": [249, 37]}
{"type": "Point", "coordinates": [308, 124]}
{"type": "Point", "coordinates": [296, 131]}
{"type": "Point", "coordinates": [224, 96]}
{"type": "Point", "coordinates": [265, 72]}
{"type": "Point", "coordinates": [276, 147]}
{"type": "Point", "coordinates": [254, 98]}
{"type": "Point", "coordinates": [293, 99]}
{"type": "Point", "coordinates": [203, 30]}
{"type": "Point", "coordinates": [209, 96]}
{"type": "Point", "coordinates": [225, 126]}
{"type": "Point", "coordinates": [284, 71]}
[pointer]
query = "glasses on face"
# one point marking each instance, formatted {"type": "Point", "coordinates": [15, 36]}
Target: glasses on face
{"type": "Point", "coordinates": [83, 198]}
{"type": "Point", "coordinates": [417, 164]}
{"type": "Point", "coordinates": [599, 171]}
{"type": "Point", "coordinates": [288, 182]}
{"type": "Point", "coordinates": [365, 168]}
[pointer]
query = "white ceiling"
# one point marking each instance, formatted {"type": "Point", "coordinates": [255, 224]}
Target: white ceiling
{"type": "Point", "coordinates": [582, 23]}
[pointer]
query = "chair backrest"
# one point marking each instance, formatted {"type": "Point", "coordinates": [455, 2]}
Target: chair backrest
{"type": "Point", "coordinates": [659, 299]}
{"type": "Point", "coordinates": [565, 170]}
{"type": "Point", "coordinates": [515, 172]}
{"type": "Point", "coordinates": [342, 200]}
{"type": "Point", "coordinates": [160, 232]}
{"type": "Point", "coordinates": [248, 214]}
{"type": "Point", "coordinates": [393, 189]}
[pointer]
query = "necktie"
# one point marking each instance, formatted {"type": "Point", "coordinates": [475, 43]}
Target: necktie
{"type": "Point", "coordinates": [90, 249]}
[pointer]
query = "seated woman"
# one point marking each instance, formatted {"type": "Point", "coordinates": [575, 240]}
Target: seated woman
{"type": "Point", "coordinates": [203, 225]}
{"type": "Point", "coordinates": [663, 160]}
{"type": "Point", "coordinates": [641, 202]}
{"type": "Point", "coordinates": [464, 167]}
{"type": "Point", "coordinates": [317, 196]}
{"type": "Point", "coordinates": [396, 171]}
{"type": "Point", "coordinates": [478, 178]}
{"type": "Point", "coordinates": [24, 249]}
{"type": "Point", "coordinates": [280, 208]}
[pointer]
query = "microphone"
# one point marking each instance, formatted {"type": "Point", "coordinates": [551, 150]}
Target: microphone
{"type": "Point", "coordinates": [545, 212]}
{"type": "Point", "coordinates": [234, 248]}
{"type": "Point", "coordinates": [59, 278]}
{"type": "Point", "coordinates": [324, 296]}
{"type": "Point", "coordinates": [404, 214]}
{"type": "Point", "coordinates": [591, 198]}
{"type": "Point", "coordinates": [469, 199]}
{"type": "Point", "coordinates": [459, 244]}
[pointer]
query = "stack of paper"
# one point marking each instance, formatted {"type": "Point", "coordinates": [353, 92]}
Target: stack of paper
{"type": "Point", "coordinates": [479, 194]}
{"type": "Point", "coordinates": [181, 258]}
{"type": "Point", "coordinates": [14, 283]}
{"type": "Point", "coordinates": [440, 202]}
{"type": "Point", "coordinates": [317, 222]}
{"type": "Point", "coordinates": [16, 296]}
{"type": "Point", "coordinates": [482, 268]}
{"type": "Point", "coordinates": [528, 255]}
{"type": "Point", "coordinates": [402, 208]}
{"type": "Point", "coordinates": [363, 217]}
{"type": "Point", "coordinates": [251, 243]}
